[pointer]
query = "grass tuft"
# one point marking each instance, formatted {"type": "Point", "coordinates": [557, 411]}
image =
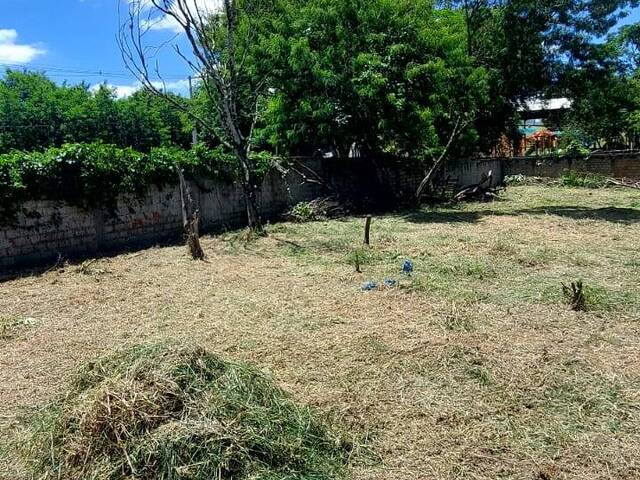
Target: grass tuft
{"type": "Point", "coordinates": [10, 326]}
{"type": "Point", "coordinates": [165, 412]}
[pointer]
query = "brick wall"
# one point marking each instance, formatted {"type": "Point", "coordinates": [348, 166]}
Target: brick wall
{"type": "Point", "coordinates": [614, 164]}
{"type": "Point", "coordinates": [45, 229]}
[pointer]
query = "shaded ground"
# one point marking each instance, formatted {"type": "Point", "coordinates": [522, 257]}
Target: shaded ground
{"type": "Point", "coordinates": [473, 368]}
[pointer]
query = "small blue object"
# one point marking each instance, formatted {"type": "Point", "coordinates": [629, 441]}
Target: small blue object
{"type": "Point", "coordinates": [407, 267]}
{"type": "Point", "coordinates": [390, 283]}
{"type": "Point", "coordinates": [368, 286]}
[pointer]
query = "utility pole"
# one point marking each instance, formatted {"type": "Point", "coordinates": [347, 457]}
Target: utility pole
{"type": "Point", "coordinates": [194, 132]}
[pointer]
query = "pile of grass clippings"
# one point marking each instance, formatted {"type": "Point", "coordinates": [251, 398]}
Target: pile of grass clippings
{"type": "Point", "coordinates": [163, 412]}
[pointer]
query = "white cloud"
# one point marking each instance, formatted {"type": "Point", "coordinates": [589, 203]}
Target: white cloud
{"type": "Point", "coordinates": [160, 21]}
{"type": "Point", "coordinates": [121, 91]}
{"type": "Point", "coordinates": [11, 52]}
{"type": "Point", "coordinates": [124, 91]}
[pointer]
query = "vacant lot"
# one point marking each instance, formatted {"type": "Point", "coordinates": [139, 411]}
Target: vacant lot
{"type": "Point", "coordinates": [473, 368]}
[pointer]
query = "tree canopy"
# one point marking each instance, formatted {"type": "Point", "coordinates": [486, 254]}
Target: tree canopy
{"type": "Point", "coordinates": [36, 113]}
{"type": "Point", "coordinates": [401, 77]}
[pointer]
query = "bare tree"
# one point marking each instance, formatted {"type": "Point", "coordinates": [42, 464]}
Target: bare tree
{"type": "Point", "coordinates": [212, 34]}
{"type": "Point", "coordinates": [427, 183]}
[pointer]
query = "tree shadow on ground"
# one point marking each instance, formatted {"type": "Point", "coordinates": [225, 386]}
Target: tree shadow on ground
{"type": "Point", "coordinates": [444, 216]}
{"type": "Point", "coordinates": [608, 214]}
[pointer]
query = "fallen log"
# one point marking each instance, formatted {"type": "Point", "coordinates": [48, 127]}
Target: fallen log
{"type": "Point", "coordinates": [482, 192]}
{"type": "Point", "coordinates": [624, 183]}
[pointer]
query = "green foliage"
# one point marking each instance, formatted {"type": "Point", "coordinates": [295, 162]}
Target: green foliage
{"type": "Point", "coordinates": [571, 178]}
{"type": "Point", "coordinates": [389, 76]}
{"type": "Point", "coordinates": [35, 113]}
{"type": "Point", "coordinates": [385, 76]}
{"type": "Point", "coordinates": [303, 212]}
{"type": "Point", "coordinates": [167, 413]}
{"type": "Point", "coordinates": [359, 257]}
{"type": "Point", "coordinates": [545, 47]}
{"type": "Point", "coordinates": [597, 118]}
{"type": "Point", "coordinates": [595, 298]}
{"type": "Point", "coordinates": [574, 142]}
{"type": "Point", "coordinates": [515, 179]}
{"type": "Point", "coordinates": [95, 174]}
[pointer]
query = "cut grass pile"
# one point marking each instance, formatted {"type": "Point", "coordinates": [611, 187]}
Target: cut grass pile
{"type": "Point", "coordinates": [158, 412]}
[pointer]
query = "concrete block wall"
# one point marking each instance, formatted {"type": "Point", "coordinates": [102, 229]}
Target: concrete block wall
{"type": "Point", "coordinates": [46, 229]}
{"type": "Point", "coordinates": [614, 164]}
{"type": "Point", "coordinates": [627, 166]}
{"type": "Point", "coordinates": [469, 172]}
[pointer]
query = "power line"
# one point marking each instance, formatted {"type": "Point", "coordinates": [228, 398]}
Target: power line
{"type": "Point", "coordinates": [58, 71]}
{"type": "Point", "coordinates": [59, 123]}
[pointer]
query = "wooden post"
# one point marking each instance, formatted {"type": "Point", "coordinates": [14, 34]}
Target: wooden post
{"type": "Point", "coordinates": [367, 230]}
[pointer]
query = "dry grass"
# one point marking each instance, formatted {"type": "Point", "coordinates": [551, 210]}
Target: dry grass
{"type": "Point", "coordinates": [474, 368]}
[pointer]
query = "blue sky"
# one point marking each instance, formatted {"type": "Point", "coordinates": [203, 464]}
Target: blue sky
{"type": "Point", "coordinates": [75, 40]}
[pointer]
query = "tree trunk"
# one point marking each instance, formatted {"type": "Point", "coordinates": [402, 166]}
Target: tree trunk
{"type": "Point", "coordinates": [249, 187]}
{"type": "Point", "coordinates": [427, 184]}
{"type": "Point", "coordinates": [437, 164]}
{"type": "Point", "coordinates": [190, 219]}
{"type": "Point", "coordinates": [253, 216]}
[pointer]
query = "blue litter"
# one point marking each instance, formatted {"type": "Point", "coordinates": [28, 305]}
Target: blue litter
{"type": "Point", "coordinates": [390, 283]}
{"type": "Point", "coordinates": [368, 286]}
{"type": "Point", "coordinates": [407, 267]}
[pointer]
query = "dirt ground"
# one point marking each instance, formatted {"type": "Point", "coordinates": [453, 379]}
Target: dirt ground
{"type": "Point", "coordinates": [473, 368]}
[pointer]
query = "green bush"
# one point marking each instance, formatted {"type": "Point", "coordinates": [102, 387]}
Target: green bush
{"type": "Point", "coordinates": [359, 257]}
{"type": "Point", "coordinates": [94, 174]}
{"type": "Point", "coordinates": [571, 178]}
{"type": "Point", "coordinates": [164, 412]}
{"type": "Point", "coordinates": [303, 212]}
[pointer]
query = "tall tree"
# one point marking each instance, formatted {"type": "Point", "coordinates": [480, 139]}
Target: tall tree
{"type": "Point", "coordinates": [220, 40]}
{"type": "Point", "coordinates": [382, 76]}
{"type": "Point", "coordinates": [534, 48]}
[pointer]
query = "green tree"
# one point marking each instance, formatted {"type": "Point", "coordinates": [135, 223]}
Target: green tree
{"type": "Point", "coordinates": [385, 76]}
{"type": "Point", "coordinates": [537, 48]}
{"type": "Point", "coordinates": [36, 113]}
{"type": "Point", "coordinates": [31, 115]}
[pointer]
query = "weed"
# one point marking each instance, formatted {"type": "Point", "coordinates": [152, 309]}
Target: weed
{"type": "Point", "coordinates": [303, 212]}
{"type": "Point", "coordinates": [10, 326]}
{"type": "Point", "coordinates": [359, 257]}
{"type": "Point", "coordinates": [88, 268]}
{"type": "Point", "coordinates": [458, 320]}
{"type": "Point", "coordinates": [515, 179]}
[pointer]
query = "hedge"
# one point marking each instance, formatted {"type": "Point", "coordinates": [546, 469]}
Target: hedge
{"type": "Point", "coordinates": [95, 174]}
